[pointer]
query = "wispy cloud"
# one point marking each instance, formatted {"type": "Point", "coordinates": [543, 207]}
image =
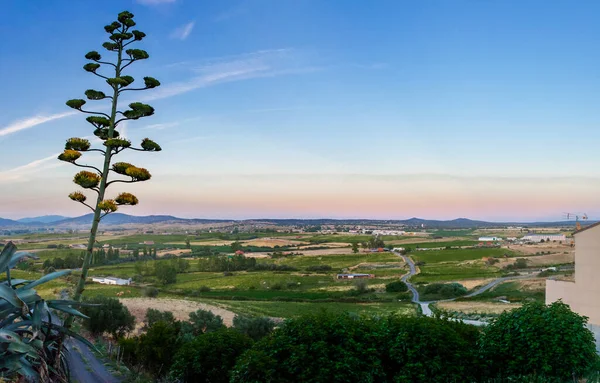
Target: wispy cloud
{"type": "Point", "coordinates": [165, 125]}
{"type": "Point", "coordinates": [20, 172]}
{"type": "Point", "coordinates": [183, 31]}
{"type": "Point", "coordinates": [31, 122]}
{"type": "Point", "coordinates": [155, 2]}
{"type": "Point", "coordinates": [265, 63]}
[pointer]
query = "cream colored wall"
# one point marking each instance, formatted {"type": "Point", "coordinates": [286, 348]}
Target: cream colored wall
{"type": "Point", "coordinates": [583, 295]}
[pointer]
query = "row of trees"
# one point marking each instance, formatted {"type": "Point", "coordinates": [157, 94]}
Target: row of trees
{"type": "Point", "coordinates": [534, 343]}
{"type": "Point", "coordinates": [226, 263]}
{"type": "Point", "coordinates": [165, 270]}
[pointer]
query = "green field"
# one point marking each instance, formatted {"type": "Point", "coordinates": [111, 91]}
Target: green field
{"type": "Point", "coordinates": [425, 245]}
{"type": "Point", "coordinates": [458, 255]}
{"type": "Point", "coordinates": [511, 291]}
{"type": "Point", "coordinates": [292, 309]}
{"type": "Point", "coordinates": [453, 272]}
{"type": "Point", "coordinates": [337, 261]}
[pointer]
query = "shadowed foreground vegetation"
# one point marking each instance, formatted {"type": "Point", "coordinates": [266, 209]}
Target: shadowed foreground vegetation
{"type": "Point", "coordinates": [535, 343]}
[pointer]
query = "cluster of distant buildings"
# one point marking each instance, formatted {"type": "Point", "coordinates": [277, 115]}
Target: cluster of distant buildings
{"type": "Point", "coordinates": [529, 238]}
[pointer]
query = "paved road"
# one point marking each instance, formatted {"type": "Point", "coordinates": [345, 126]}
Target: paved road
{"type": "Point", "coordinates": [425, 305]}
{"type": "Point", "coordinates": [84, 366]}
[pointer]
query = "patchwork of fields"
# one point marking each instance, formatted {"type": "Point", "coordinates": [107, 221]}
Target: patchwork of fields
{"type": "Point", "coordinates": [289, 285]}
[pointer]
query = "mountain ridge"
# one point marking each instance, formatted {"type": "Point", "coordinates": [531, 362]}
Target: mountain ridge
{"type": "Point", "coordinates": [123, 219]}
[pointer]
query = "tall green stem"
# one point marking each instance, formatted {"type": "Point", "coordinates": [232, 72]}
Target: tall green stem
{"type": "Point", "coordinates": [101, 190]}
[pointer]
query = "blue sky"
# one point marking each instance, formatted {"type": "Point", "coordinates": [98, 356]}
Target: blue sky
{"type": "Point", "coordinates": [308, 108]}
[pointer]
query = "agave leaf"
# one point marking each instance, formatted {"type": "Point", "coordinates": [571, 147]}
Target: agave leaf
{"type": "Point", "coordinates": [16, 258]}
{"type": "Point", "coordinates": [9, 295]}
{"type": "Point", "coordinates": [45, 278]}
{"type": "Point", "coordinates": [7, 336]}
{"type": "Point", "coordinates": [6, 254]}
{"type": "Point", "coordinates": [26, 370]}
{"type": "Point", "coordinates": [69, 310]}
{"type": "Point", "coordinates": [60, 302]}
{"type": "Point", "coordinates": [10, 362]}
{"type": "Point", "coordinates": [28, 296]}
{"type": "Point", "coordinates": [36, 318]}
{"type": "Point", "coordinates": [16, 282]}
{"type": "Point", "coordinates": [21, 347]}
{"type": "Point", "coordinates": [76, 336]}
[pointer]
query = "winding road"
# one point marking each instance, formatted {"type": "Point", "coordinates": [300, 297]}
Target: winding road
{"type": "Point", "coordinates": [84, 365]}
{"type": "Point", "coordinates": [426, 310]}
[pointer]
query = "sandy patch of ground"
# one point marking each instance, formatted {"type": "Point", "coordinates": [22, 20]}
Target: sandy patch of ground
{"type": "Point", "coordinates": [180, 308]}
{"type": "Point", "coordinates": [412, 240]}
{"type": "Point", "coordinates": [478, 307]}
{"type": "Point", "coordinates": [313, 253]}
{"type": "Point", "coordinates": [540, 247]}
{"type": "Point", "coordinates": [540, 260]}
{"type": "Point", "coordinates": [534, 284]}
{"type": "Point", "coordinates": [328, 245]}
{"type": "Point", "coordinates": [173, 251]}
{"type": "Point", "coordinates": [211, 242]}
{"type": "Point", "coordinates": [472, 283]}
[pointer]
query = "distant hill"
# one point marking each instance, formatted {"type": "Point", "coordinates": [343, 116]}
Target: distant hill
{"type": "Point", "coordinates": [43, 219]}
{"type": "Point", "coordinates": [9, 222]}
{"type": "Point", "coordinates": [123, 219]}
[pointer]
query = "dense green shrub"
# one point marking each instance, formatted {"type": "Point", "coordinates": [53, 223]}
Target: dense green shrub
{"type": "Point", "coordinates": [150, 292]}
{"type": "Point", "coordinates": [548, 341]}
{"type": "Point", "coordinates": [254, 327]}
{"type": "Point", "coordinates": [153, 316]}
{"type": "Point", "coordinates": [319, 268]}
{"type": "Point", "coordinates": [210, 357]}
{"type": "Point", "coordinates": [428, 350]}
{"type": "Point", "coordinates": [110, 315]}
{"type": "Point", "coordinates": [345, 348]}
{"type": "Point", "coordinates": [157, 347]}
{"type": "Point", "coordinates": [396, 287]}
{"type": "Point", "coordinates": [314, 348]}
{"type": "Point", "coordinates": [443, 290]}
{"type": "Point", "coordinates": [204, 321]}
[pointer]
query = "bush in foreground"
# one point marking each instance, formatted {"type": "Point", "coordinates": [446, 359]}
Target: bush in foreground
{"type": "Point", "coordinates": [549, 341]}
{"type": "Point", "coordinates": [345, 348]}
{"type": "Point", "coordinates": [255, 328]}
{"type": "Point", "coordinates": [110, 315]}
{"type": "Point", "coordinates": [210, 357]}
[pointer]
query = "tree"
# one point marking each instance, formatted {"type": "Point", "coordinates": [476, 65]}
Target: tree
{"type": "Point", "coordinates": [166, 273]}
{"type": "Point", "coordinates": [256, 328]}
{"type": "Point", "coordinates": [429, 350]}
{"type": "Point", "coordinates": [153, 316]}
{"type": "Point", "coordinates": [320, 347]}
{"type": "Point", "coordinates": [105, 126]}
{"type": "Point", "coordinates": [110, 315]}
{"type": "Point", "coordinates": [396, 287]}
{"type": "Point", "coordinates": [157, 347]}
{"type": "Point", "coordinates": [210, 357]}
{"type": "Point", "coordinates": [549, 341]}
{"type": "Point", "coordinates": [355, 247]}
{"type": "Point", "coordinates": [204, 321]}
{"type": "Point", "coordinates": [187, 243]}
{"type": "Point", "coordinates": [235, 246]}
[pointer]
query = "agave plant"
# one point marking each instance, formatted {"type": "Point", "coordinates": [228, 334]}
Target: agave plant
{"type": "Point", "coordinates": [29, 326]}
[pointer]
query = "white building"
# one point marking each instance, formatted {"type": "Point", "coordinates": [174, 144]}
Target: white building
{"type": "Point", "coordinates": [112, 281]}
{"type": "Point", "coordinates": [490, 239]}
{"type": "Point", "coordinates": [545, 237]}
